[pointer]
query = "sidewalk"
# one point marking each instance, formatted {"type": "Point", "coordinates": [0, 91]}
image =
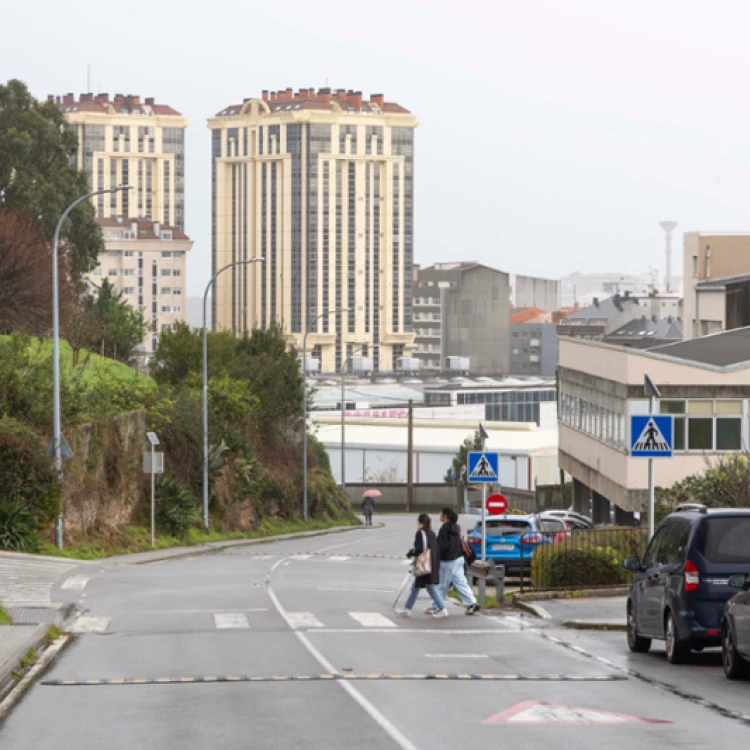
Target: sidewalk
{"type": "Point", "coordinates": [600, 613]}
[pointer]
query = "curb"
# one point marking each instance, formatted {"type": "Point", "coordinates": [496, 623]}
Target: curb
{"type": "Point", "coordinates": [532, 609]}
{"type": "Point", "coordinates": [620, 627]}
{"type": "Point", "coordinates": [581, 594]}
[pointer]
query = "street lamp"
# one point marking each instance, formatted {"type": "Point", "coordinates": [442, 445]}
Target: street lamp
{"type": "Point", "coordinates": [324, 314]}
{"type": "Point", "coordinates": [343, 414]}
{"type": "Point", "coordinates": [56, 429]}
{"type": "Point", "coordinates": [205, 378]}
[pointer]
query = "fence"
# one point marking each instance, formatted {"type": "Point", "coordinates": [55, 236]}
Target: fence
{"type": "Point", "coordinates": [582, 559]}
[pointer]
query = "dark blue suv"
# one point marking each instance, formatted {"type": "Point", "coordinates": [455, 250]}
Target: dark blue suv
{"type": "Point", "coordinates": [682, 584]}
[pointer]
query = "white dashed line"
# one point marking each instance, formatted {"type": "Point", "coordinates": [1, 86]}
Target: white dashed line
{"type": "Point", "coordinates": [231, 621]}
{"type": "Point", "coordinates": [89, 624]}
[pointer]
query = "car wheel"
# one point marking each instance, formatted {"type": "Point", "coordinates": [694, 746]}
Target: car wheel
{"type": "Point", "coordinates": [735, 667]}
{"type": "Point", "coordinates": [676, 650]}
{"type": "Point", "coordinates": [636, 643]}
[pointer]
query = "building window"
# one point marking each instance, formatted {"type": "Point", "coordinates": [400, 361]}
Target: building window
{"type": "Point", "coordinates": [705, 425]}
{"type": "Point", "coordinates": [166, 290]}
{"type": "Point", "coordinates": [128, 290]}
{"type": "Point", "coordinates": [128, 271]}
{"type": "Point", "coordinates": [112, 272]}
{"type": "Point", "coordinates": [166, 271]}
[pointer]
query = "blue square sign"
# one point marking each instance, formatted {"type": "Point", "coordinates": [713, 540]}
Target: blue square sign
{"type": "Point", "coordinates": [483, 467]}
{"type": "Point", "coordinates": [651, 436]}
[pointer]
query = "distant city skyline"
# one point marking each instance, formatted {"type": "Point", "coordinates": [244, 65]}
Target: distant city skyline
{"type": "Point", "coordinates": [562, 150]}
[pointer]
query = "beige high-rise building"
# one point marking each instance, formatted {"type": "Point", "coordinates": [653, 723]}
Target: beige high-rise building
{"type": "Point", "coordinates": [126, 141]}
{"type": "Point", "coordinates": [321, 185]}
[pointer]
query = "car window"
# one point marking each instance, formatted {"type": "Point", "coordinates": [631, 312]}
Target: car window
{"type": "Point", "coordinates": [508, 527]}
{"type": "Point", "coordinates": [552, 524]}
{"type": "Point", "coordinates": [725, 540]}
{"type": "Point", "coordinates": [675, 545]}
{"type": "Point", "coordinates": [650, 559]}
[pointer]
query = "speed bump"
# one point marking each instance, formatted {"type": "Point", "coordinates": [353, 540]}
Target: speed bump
{"type": "Point", "coordinates": [213, 679]}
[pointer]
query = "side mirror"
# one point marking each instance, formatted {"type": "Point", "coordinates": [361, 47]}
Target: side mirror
{"type": "Point", "coordinates": [739, 581]}
{"type": "Point", "coordinates": [632, 563]}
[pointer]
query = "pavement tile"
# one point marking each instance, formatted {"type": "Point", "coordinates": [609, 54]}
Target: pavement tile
{"type": "Point", "coordinates": [595, 610]}
{"type": "Point", "coordinates": [15, 641]}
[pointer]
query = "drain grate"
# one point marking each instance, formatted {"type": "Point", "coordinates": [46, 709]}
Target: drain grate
{"type": "Point", "coordinates": [35, 615]}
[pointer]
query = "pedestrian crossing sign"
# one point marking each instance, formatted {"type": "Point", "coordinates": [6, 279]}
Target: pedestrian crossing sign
{"type": "Point", "coordinates": [483, 467]}
{"type": "Point", "coordinates": [651, 436]}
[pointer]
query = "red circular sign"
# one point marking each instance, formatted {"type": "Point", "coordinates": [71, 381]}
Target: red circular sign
{"type": "Point", "coordinates": [496, 504]}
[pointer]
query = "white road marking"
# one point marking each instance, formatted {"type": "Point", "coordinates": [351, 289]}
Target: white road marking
{"type": "Point", "coordinates": [368, 591]}
{"type": "Point", "coordinates": [393, 732]}
{"type": "Point", "coordinates": [301, 557]}
{"type": "Point", "coordinates": [76, 582]}
{"type": "Point", "coordinates": [298, 620]}
{"type": "Point", "coordinates": [416, 631]}
{"type": "Point", "coordinates": [231, 621]}
{"type": "Point", "coordinates": [339, 558]}
{"type": "Point", "coordinates": [179, 611]}
{"type": "Point", "coordinates": [457, 656]}
{"type": "Point", "coordinates": [90, 624]}
{"type": "Point", "coordinates": [372, 620]}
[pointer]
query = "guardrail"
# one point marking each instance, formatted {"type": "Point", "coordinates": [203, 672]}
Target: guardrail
{"type": "Point", "coordinates": [581, 559]}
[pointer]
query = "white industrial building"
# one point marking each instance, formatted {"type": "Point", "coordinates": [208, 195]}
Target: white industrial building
{"type": "Point", "coordinates": [376, 449]}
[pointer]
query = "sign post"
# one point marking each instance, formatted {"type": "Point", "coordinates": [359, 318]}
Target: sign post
{"type": "Point", "coordinates": [651, 436]}
{"type": "Point", "coordinates": [153, 463]}
{"type": "Point", "coordinates": [483, 469]}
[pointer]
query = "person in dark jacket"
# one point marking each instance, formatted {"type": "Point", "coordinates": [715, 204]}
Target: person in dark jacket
{"type": "Point", "coordinates": [367, 508]}
{"type": "Point", "coordinates": [426, 539]}
{"type": "Point", "coordinates": [452, 562]}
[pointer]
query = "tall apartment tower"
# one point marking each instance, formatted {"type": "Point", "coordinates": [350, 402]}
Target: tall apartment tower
{"type": "Point", "coordinates": [123, 140]}
{"type": "Point", "coordinates": [321, 185]}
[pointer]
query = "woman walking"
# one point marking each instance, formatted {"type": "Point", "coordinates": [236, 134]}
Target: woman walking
{"type": "Point", "coordinates": [425, 540]}
{"type": "Point", "coordinates": [452, 562]}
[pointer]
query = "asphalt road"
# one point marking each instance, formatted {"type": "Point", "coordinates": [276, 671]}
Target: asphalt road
{"type": "Point", "coordinates": [256, 616]}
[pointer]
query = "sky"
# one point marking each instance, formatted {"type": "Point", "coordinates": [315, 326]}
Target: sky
{"type": "Point", "coordinates": [554, 134]}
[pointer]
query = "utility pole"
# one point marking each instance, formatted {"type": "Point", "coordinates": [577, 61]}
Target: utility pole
{"type": "Point", "coordinates": [653, 393]}
{"type": "Point", "coordinates": [410, 459]}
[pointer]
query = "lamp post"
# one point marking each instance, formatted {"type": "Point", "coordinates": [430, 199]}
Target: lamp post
{"type": "Point", "coordinates": [343, 414]}
{"type": "Point", "coordinates": [56, 429]}
{"type": "Point", "coordinates": [324, 314]}
{"type": "Point", "coordinates": [205, 378]}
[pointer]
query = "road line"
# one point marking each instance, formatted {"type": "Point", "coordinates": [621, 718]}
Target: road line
{"type": "Point", "coordinates": [359, 540]}
{"type": "Point", "coordinates": [391, 730]}
{"type": "Point", "coordinates": [339, 558]}
{"type": "Point", "coordinates": [75, 582]}
{"type": "Point", "coordinates": [416, 631]}
{"type": "Point", "coordinates": [372, 620]}
{"type": "Point", "coordinates": [231, 621]}
{"type": "Point", "coordinates": [368, 591]}
{"type": "Point", "coordinates": [88, 624]}
{"type": "Point", "coordinates": [301, 620]}
{"type": "Point", "coordinates": [457, 656]}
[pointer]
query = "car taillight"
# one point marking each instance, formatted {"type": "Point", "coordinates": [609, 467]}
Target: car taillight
{"type": "Point", "coordinates": [692, 577]}
{"type": "Point", "coordinates": [474, 539]}
{"type": "Point", "coordinates": [532, 539]}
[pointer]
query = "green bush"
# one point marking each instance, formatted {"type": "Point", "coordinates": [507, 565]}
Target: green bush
{"type": "Point", "coordinates": [26, 473]}
{"type": "Point", "coordinates": [176, 508]}
{"type": "Point", "coordinates": [321, 454]}
{"type": "Point", "coordinates": [554, 566]}
{"type": "Point", "coordinates": [18, 527]}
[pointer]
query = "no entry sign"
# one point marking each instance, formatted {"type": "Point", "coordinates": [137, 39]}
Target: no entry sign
{"type": "Point", "coordinates": [496, 504]}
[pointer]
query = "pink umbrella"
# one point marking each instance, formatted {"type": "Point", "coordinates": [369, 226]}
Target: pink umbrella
{"type": "Point", "coordinates": [372, 493]}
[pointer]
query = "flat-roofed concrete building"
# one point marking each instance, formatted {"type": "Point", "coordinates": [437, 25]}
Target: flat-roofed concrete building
{"type": "Point", "coordinates": [705, 386]}
{"type": "Point", "coordinates": [321, 185]}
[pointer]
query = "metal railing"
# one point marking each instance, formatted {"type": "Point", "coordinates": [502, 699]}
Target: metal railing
{"type": "Point", "coordinates": [579, 559]}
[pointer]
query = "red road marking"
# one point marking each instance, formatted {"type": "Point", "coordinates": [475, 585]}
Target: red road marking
{"type": "Point", "coordinates": [539, 712]}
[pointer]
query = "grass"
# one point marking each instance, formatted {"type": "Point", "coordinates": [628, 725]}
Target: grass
{"type": "Point", "coordinates": [29, 659]}
{"type": "Point", "coordinates": [4, 616]}
{"type": "Point", "coordinates": [138, 538]}
{"type": "Point", "coordinates": [490, 602]}
{"type": "Point", "coordinates": [52, 634]}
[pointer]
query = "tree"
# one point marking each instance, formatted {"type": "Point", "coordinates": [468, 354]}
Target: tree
{"type": "Point", "coordinates": [122, 327]}
{"type": "Point", "coordinates": [273, 376]}
{"type": "Point", "coordinates": [461, 458]}
{"type": "Point", "coordinates": [26, 276]}
{"type": "Point", "coordinates": [180, 354]}
{"type": "Point", "coordinates": [38, 178]}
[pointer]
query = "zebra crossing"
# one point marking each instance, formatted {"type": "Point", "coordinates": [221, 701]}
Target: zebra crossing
{"type": "Point", "coordinates": [339, 622]}
{"type": "Point", "coordinates": [30, 579]}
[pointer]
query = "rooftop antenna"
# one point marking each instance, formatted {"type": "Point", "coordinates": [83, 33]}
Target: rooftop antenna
{"type": "Point", "coordinates": [668, 227]}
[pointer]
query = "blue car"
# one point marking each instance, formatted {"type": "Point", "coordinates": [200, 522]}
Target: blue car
{"type": "Point", "coordinates": [511, 540]}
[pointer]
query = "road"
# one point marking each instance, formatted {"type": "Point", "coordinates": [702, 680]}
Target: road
{"type": "Point", "coordinates": [272, 621]}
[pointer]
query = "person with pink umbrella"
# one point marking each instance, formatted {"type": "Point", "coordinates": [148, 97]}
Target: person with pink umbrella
{"type": "Point", "coordinates": [368, 504]}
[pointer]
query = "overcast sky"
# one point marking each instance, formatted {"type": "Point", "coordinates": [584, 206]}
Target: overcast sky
{"type": "Point", "coordinates": [554, 134]}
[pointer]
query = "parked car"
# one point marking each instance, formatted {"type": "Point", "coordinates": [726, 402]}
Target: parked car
{"type": "Point", "coordinates": [682, 584]}
{"type": "Point", "coordinates": [573, 521]}
{"type": "Point", "coordinates": [511, 540]}
{"type": "Point", "coordinates": [735, 630]}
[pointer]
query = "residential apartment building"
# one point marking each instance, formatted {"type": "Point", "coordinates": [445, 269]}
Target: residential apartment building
{"type": "Point", "coordinates": [716, 281]}
{"type": "Point", "coordinates": [461, 309]}
{"type": "Point", "coordinates": [321, 185]}
{"type": "Point", "coordinates": [533, 348]}
{"type": "Point", "coordinates": [145, 261]}
{"type": "Point", "coordinates": [704, 385]}
{"type": "Point", "coordinates": [125, 141]}
{"type": "Point", "coordinates": [600, 318]}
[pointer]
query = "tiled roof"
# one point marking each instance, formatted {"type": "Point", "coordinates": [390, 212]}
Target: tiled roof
{"type": "Point", "coordinates": [145, 228]}
{"type": "Point", "coordinates": [120, 103]}
{"type": "Point", "coordinates": [718, 349]}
